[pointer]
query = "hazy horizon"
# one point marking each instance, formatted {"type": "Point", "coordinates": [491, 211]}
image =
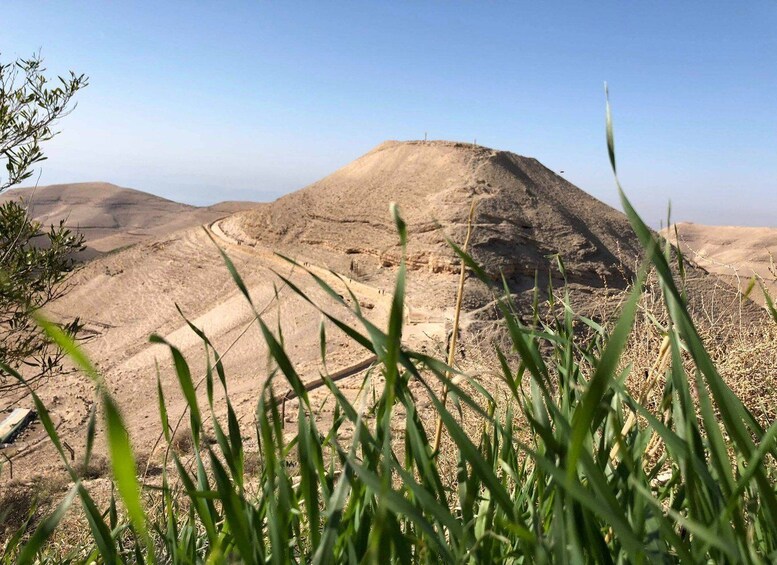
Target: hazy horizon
{"type": "Point", "coordinates": [200, 104]}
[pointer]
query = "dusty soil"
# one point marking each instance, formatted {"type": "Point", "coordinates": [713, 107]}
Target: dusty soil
{"type": "Point", "coordinates": [124, 297]}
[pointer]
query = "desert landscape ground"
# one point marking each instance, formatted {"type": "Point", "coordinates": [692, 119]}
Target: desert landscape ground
{"type": "Point", "coordinates": [237, 326]}
{"type": "Point", "coordinates": [733, 253]}
{"type": "Point", "coordinates": [152, 256]}
{"type": "Point", "coordinates": [112, 217]}
{"type": "Point", "coordinates": [151, 260]}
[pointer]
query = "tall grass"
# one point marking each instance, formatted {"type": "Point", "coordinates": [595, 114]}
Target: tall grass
{"type": "Point", "coordinates": [574, 485]}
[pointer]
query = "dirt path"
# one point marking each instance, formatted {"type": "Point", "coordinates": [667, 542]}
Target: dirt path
{"type": "Point", "coordinates": [126, 296]}
{"type": "Point", "coordinates": [360, 289]}
{"type": "Point", "coordinates": [417, 325]}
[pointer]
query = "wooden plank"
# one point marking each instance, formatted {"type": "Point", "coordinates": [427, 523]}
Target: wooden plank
{"type": "Point", "coordinates": [334, 377]}
{"type": "Point", "coordinates": [14, 423]}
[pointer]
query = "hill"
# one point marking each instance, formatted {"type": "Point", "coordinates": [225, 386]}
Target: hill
{"type": "Point", "coordinates": [733, 253]}
{"type": "Point", "coordinates": [112, 217]}
{"type": "Point", "coordinates": [524, 212]}
{"type": "Point", "coordinates": [525, 216]}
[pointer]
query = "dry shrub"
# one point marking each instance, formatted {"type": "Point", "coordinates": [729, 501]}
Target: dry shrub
{"type": "Point", "coordinates": [98, 467]}
{"type": "Point", "coordinates": [749, 366]}
{"type": "Point", "coordinates": [182, 441]}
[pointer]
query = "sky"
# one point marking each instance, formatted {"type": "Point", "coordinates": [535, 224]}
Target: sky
{"type": "Point", "coordinates": [202, 101]}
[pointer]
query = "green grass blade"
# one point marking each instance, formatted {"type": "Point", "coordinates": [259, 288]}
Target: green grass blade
{"type": "Point", "coordinates": [46, 528]}
{"type": "Point", "coordinates": [124, 470]}
{"type": "Point", "coordinates": [601, 379]}
{"type": "Point", "coordinates": [184, 375]}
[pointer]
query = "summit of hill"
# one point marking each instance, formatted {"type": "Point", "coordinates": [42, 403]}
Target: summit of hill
{"type": "Point", "coordinates": [527, 221]}
{"type": "Point", "coordinates": [524, 212]}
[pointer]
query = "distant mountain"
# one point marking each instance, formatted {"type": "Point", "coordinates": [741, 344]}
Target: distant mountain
{"type": "Point", "coordinates": [111, 217]}
{"type": "Point", "coordinates": [734, 253]}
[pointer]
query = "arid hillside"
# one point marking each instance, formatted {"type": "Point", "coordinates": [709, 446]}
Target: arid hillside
{"type": "Point", "coordinates": [339, 229]}
{"type": "Point", "coordinates": [524, 213]}
{"type": "Point", "coordinates": [525, 217]}
{"type": "Point", "coordinates": [111, 217]}
{"type": "Point", "coordinates": [733, 253]}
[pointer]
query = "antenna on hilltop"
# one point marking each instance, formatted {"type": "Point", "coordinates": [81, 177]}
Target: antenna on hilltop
{"type": "Point", "coordinates": [424, 137]}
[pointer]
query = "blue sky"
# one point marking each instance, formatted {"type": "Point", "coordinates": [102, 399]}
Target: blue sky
{"type": "Point", "coordinates": [201, 102]}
